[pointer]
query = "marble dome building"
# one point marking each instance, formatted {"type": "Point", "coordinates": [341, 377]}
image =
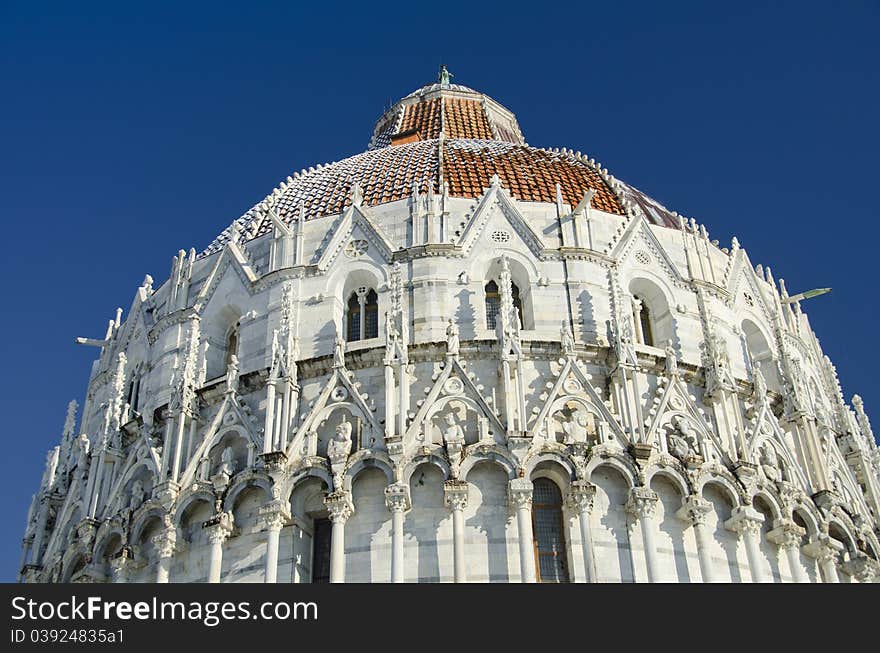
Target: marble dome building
{"type": "Point", "coordinates": [456, 357]}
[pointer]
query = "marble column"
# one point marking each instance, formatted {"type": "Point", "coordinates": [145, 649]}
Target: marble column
{"type": "Point", "coordinates": [455, 496]}
{"type": "Point", "coordinates": [397, 500]}
{"type": "Point", "coordinates": [694, 511]}
{"type": "Point", "coordinates": [520, 496]}
{"type": "Point", "coordinates": [642, 504]}
{"type": "Point", "coordinates": [164, 544]}
{"type": "Point", "coordinates": [788, 536]}
{"type": "Point", "coordinates": [218, 528]}
{"type": "Point", "coordinates": [580, 502]}
{"type": "Point", "coordinates": [747, 521]}
{"type": "Point", "coordinates": [340, 506]}
{"type": "Point", "coordinates": [273, 517]}
{"type": "Point", "coordinates": [269, 428]}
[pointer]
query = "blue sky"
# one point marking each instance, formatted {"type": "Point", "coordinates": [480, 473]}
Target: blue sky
{"type": "Point", "coordinates": [130, 131]}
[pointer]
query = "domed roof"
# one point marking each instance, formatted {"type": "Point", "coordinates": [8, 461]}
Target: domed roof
{"type": "Point", "coordinates": [446, 137]}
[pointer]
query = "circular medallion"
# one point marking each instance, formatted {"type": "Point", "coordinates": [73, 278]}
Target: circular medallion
{"type": "Point", "coordinates": [339, 394]}
{"type": "Point", "coordinates": [453, 386]}
{"type": "Point", "coordinates": [356, 248]}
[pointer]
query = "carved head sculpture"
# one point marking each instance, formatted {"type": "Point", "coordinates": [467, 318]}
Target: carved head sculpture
{"type": "Point", "coordinates": [343, 429]}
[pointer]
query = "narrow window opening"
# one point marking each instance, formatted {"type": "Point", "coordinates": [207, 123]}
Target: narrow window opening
{"type": "Point", "coordinates": [321, 541]}
{"type": "Point", "coordinates": [551, 556]}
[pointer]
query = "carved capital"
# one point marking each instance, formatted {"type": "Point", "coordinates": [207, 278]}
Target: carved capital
{"type": "Point", "coordinates": [519, 493]}
{"type": "Point", "coordinates": [642, 502]}
{"type": "Point", "coordinates": [273, 516]}
{"type": "Point", "coordinates": [580, 497]}
{"type": "Point", "coordinates": [694, 510]}
{"type": "Point", "coordinates": [397, 497]}
{"type": "Point", "coordinates": [823, 548]}
{"type": "Point", "coordinates": [455, 494]}
{"type": "Point", "coordinates": [274, 460]}
{"type": "Point", "coordinates": [745, 520]}
{"type": "Point", "coordinates": [787, 534]}
{"type": "Point", "coordinates": [165, 542]}
{"type": "Point", "coordinates": [862, 568]}
{"type": "Point", "coordinates": [339, 505]}
{"type": "Point", "coordinates": [218, 528]}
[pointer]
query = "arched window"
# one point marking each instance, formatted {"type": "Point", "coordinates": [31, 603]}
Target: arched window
{"type": "Point", "coordinates": [232, 343]}
{"type": "Point", "coordinates": [551, 557]}
{"type": "Point", "coordinates": [362, 321]}
{"type": "Point", "coordinates": [493, 303]}
{"type": "Point", "coordinates": [642, 317]}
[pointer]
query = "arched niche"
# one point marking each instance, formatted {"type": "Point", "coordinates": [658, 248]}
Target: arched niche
{"type": "Point", "coordinates": [331, 417]}
{"type": "Point", "coordinates": [520, 277]}
{"type": "Point", "coordinates": [452, 416]}
{"type": "Point", "coordinates": [220, 330]}
{"type": "Point", "coordinates": [572, 419]}
{"type": "Point", "coordinates": [655, 316]}
{"type": "Point", "coordinates": [230, 452]}
{"type": "Point", "coordinates": [758, 349]}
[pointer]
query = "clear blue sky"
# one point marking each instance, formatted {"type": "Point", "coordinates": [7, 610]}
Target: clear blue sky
{"type": "Point", "coordinates": [129, 132]}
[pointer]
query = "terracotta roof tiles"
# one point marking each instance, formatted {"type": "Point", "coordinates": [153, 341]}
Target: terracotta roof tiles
{"type": "Point", "coordinates": [388, 174]}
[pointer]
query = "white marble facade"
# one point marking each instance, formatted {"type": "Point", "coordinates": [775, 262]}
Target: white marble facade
{"type": "Point", "coordinates": [677, 401]}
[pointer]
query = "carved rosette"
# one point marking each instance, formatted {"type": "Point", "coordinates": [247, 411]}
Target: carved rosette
{"type": "Point", "coordinates": [339, 505]}
{"type": "Point", "coordinates": [397, 498]}
{"type": "Point", "coordinates": [455, 495]}
{"type": "Point", "coordinates": [642, 502]}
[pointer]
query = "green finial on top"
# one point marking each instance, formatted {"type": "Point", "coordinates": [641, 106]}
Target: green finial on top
{"type": "Point", "coordinates": [444, 76]}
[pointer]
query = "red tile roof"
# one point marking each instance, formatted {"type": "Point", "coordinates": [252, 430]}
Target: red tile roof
{"type": "Point", "coordinates": [388, 174]}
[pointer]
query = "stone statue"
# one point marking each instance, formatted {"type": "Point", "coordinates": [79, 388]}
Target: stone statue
{"type": "Point", "coordinates": [453, 438]}
{"type": "Point", "coordinates": [770, 463]}
{"type": "Point", "coordinates": [137, 495]}
{"type": "Point", "coordinates": [339, 352]}
{"type": "Point", "coordinates": [567, 338]}
{"type": "Point", "coordinates": [232, 374]}
{"type": "Point", "coordinates": [453, 434]}
{"type": "Point", "coordinates": [444, 76]}
{"type": "Point", "coordinates": [452, 342]}
{"type": "Point", "coordinates": [580, 428]}
{"type": "Point", "coordinates": [759, 383]}
{"type": "Point", "coordinates": [680, 440]}
{"type": "Point", "coordinates": [390, 330]}
{"type": "Point", "coordinates": [227, 462]}
{"type": "Point", "coordinates": [340, 446]}
{"type": "Point", "coordinates": [671, 361]}
{"type": "Point", "coordinates": [82, 453]}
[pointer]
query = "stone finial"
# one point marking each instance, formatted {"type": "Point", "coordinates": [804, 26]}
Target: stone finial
{"type": "Point", "coordinates": [70, 420]}
{"type": "Point", "coordinates": [356, 194]}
